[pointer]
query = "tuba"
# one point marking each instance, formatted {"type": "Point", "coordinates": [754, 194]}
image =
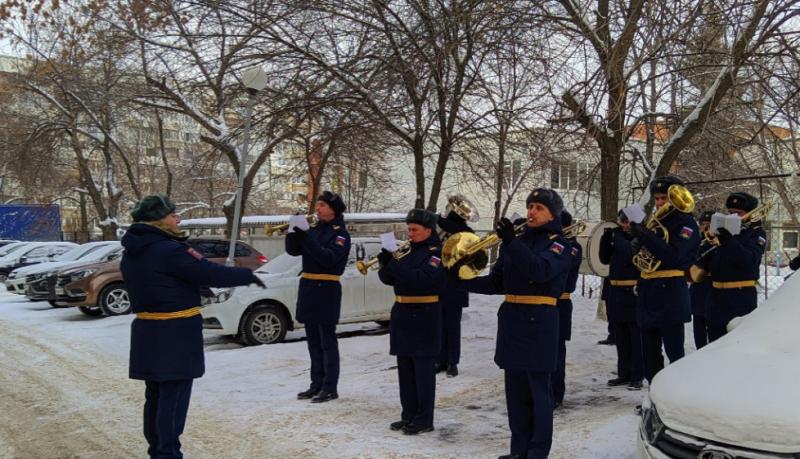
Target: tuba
{"type": "Point", "coordinates": [678, 198]}
{"type": "Point", "coordinates": [270, 229]}
{"type": "Point", "coordinates": [462, 207]}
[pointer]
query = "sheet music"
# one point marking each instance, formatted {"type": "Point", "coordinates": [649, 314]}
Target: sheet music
{"type": "Point", "coordinates": [635, 213]}
{"type": "Point", "coordinates": [388, 242]}
{"type": "Point", "coordinates": [298, 221]}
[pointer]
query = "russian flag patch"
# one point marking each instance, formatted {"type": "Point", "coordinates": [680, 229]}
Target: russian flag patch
{"type": "Point", "coordinates": [557, 248]}
{"type": "Point", "coordinates": [435, 261]}
{"type": "Point", "coordinates": [686, 232]}
{"type": "Point", "coordinates": [761, 241]}
{"type": "Point", "coordinates": [340, 240]}
{"type": "Point", "coordinates": [574, 251]}
{"type": "Point", "coordinates": [195, 253]}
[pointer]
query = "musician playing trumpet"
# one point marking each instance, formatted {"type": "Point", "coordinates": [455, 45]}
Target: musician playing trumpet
{"type": "Point", "coordinates": [734, 267]}
{"type": "Point", "coordinates": [415, 329]}
{"type": "Point", "coordinates": [324, 248]}
{"type": "Point", "coordinates": [662, 294]}
{"type": "Point", "coordinates": [531, 271]}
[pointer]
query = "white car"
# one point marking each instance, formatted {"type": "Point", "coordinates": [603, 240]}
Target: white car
{"type": "Point", "coordinates": [34, 252]}
{"type": "Point", "coordinates": [263, 316]}
{"type": "Point", "coordinates": [737, 397]}
{"type": "Point", "coordinates": [84, 253]}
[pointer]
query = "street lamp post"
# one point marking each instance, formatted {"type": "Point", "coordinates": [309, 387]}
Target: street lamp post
{"type": "Point", "coordinates": [254, 80]}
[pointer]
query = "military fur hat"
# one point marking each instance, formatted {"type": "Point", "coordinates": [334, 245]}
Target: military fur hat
{"type": "Point", "coordinates": [662, 184]}
{"type": "Point", "coordinates": [706, 216]}
{"type": "Point", "coordinates": [422, 217]}
{"type": "Point", "coordinates": [549, 198]}
{"type": "Point", "coordinates": [742, 201]}
{"type": "Point", "coordinates": [152, 208]}
{"type": "Point", "coordinates": [334, 201]}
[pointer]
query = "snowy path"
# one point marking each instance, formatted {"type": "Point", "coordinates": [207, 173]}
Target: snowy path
{"type": "Point", "coordinates": [64, 393]}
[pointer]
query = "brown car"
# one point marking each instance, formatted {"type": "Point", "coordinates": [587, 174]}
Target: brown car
{"type": "Point", "coordinates": [98, 288]}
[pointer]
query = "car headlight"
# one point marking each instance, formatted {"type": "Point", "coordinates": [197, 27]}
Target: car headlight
{"type": "Point", "coordinates": [652, 427]}
{"type": "Point", "coordinates": [220, 296]}
{"type": "Point", "coordinates": [81, 274]}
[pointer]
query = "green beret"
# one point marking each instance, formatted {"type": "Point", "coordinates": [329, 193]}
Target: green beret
{"type": "Point", "coordinates": [152, 208]}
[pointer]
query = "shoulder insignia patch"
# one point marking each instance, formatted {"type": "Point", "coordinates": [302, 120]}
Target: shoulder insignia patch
{"type": "Point", "coordinates": [340, 240]}
{"type": "Point", "coordinates": [574, 251]}
{"type": "Point", "coordinates": [761, 240]}
{"type": "Point", "coordinates": [435, 261]}
{"type": "Point", "coordinates": [686, 232]}
{"type": "Point", "coordinates": [557, 248]}
{"type": "Point", "coordinates": [195, 253]}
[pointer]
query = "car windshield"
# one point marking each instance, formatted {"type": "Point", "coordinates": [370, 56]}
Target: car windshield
{"type": "Point", "coordinates": [14, 246]}
{"type": "Point", "coordinates": [280, 264]}
{"type": "Point", "coordinates": [77, 252]}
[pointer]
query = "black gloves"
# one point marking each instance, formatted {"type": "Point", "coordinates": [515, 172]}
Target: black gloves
{"type": "Point", "coordinates": [795, 263]}
{"type": "Point", "coordinates": [385, 257]}
{"type": "Point", "coordinates": [452, 275]}
{"type": "Point", "coordinates": [635, 245]}
{"type": "Point", "coordinates": [637, 229]}
{"type": "Point", "coordinates": [724, 236]}
{"type": "Point", "coordinates": [255, 280]}
{"type": "Point", "coordinates": [505, 230]}
{"type": "Point", "coordinates": [300, 233]}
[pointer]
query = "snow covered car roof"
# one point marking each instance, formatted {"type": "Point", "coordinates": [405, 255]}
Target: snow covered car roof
{"type": "Point", "coordinates": [260, 220]}
{"type": "Point", "coordinates": [742, 389]}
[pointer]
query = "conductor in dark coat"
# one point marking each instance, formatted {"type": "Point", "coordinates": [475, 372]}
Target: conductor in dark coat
{"type": "Point", "coordinates": [163, 276]}
{"type": "Point", "coordinates": [415, 329]}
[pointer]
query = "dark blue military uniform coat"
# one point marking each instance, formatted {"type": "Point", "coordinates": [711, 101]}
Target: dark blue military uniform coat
{"type": "Point", "coordinates": [324, 248]}
{"type": "Point", "coordinates": [737, 260]}
{"type": "Point", "coordinates": [616, 251]}
{"type": "Point", "coordinates": [665, 301]}
{"type": "Point", "coordinates": [565, 306]}
{"type": "Point", "coordinates": [535, 263]}
{"type": "Point", "coordinates": [163, 274]}
{"type": "Point", "coordinates": [700, 292]}
{"type": "Point", "coordinates": [415, 329]}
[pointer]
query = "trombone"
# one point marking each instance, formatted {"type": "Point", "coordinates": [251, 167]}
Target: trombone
{"type": "Point", "coordinates": [472, 251]}
{"type": "Point", "coordinates": [574, 230]}
{"type": "Point", "coordinates": [364, 266]}
{"type": "Point", "coordinates": [270, 229]}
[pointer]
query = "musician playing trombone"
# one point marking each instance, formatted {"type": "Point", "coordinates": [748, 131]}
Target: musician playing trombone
{"type": "Point", "coordinates": [734, 267]}
{"type": "Point", "coordinates": [324, 248]}
{"type": "Point", "coordinates": [531, 271]}
{"type": "Point", "coordinates": [662, 293]}
{"type": "Point", "coordinates": [415, 328]}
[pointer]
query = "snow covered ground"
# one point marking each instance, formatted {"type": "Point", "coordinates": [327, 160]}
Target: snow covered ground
{"type": "Point", "coordinates": [63, 379]}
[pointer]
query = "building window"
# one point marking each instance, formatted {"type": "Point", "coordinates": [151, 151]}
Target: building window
{"type": "Point", "coordinates": [571, 175]}
{"type": "Point", "coordinates": [512, 171]}
{"type": "Point", "coordinates": [790, 239]}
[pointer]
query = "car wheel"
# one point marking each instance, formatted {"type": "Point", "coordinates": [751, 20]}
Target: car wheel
{"type": "Point", "coordinates": [93, 311]}
{"type": "Point", "coordinates": [114, 300]}
{"type": "Point", "coordinates": [382, 323]}
{"type": "Point", "coordinates": [3, 276]}
{"type": "Point", "coordinates": [264, 324]}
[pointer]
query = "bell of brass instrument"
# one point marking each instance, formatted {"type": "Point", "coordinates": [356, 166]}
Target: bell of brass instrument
{"type": "Point", "coordinates": [678, 198]}
{"type": "Point", "coordinates": [463, 207]}
{"type": "Point", "coordinates": [270, 229]}
{"type": "Point", "coordinates": [472, 251]}
{"type": "Point", "coordinates": [364, 266]}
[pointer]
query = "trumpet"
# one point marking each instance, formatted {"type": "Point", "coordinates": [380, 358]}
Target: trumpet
{"type": "Point", "coordinates": [472, 251]}
{"type": "Point", "coordinates": [364, 266]}
{"type": "Point", "coordinates": [696, 273]}
{"type": "Point", "coordinates": [574, 229]}
{"type": "Point", "coordinates": [270, 229]}
{"type": "Point", "coordinates": [680, 199]}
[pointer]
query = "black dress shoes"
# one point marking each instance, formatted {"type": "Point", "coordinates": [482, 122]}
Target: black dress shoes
{"type": "Point", "coordinates": [635, 385]}
{"type": "Point", "coordinates": [618, 382]}
{"type": "Point", "coordinates": [324, 396]}
{"type": "Point", "coordinates": [440, 367]}
{"type": "Point", "coordinates": [510, 456]}
{"type": "Point", "coordinates": [307, 394]}
{"type": "Point", "coordinates": [452, 371]}
{"type": "Point", "coordinates": [414, 429]}
{"type": "Point", "coordinates": [608, 341]}
{"type": "Point", "coordinates": [398, 425]}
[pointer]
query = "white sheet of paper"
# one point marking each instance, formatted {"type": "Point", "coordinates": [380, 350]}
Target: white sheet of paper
{"type": "Point", "coordinates": [733, 223]}
{"type": "Point", "coordinates": [388, 242]}
{"type": "Point", "coordinates": [635, 213]}
{"type": "Point", "coordinates": [298, 221]}
{"type": "Point", "coordinates": [717, 222]}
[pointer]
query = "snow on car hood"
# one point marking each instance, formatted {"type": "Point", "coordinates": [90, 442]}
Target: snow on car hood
{"type": "Point", "coordinates": [742, 389]}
